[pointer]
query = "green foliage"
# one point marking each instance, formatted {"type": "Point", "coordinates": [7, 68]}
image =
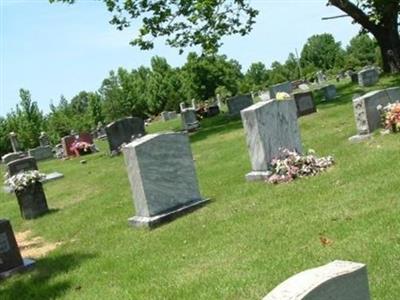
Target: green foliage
{"type": "Point", "coordinates": [322, 51]}
{"type": "Point", "coordinates": [361, 51]}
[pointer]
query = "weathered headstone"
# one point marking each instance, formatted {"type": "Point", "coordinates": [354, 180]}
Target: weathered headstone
{"type": "Point", "coordinates": [14, 142]}
{"type": "Point", "coordinates": [10, 257]}
{"type": "Point", "coordinates": [44, 139]}
{"type": "Point", "coordinates": [182, 106]}
{"type": "Point", "coordinates": [320, 77]}
{"type": "Point", "coordinates": [194, 106]}
{"type": "Point", "coordinates": [237, 103]}
{"type": "Point", "coordinates": [366, 114]}
{"type": "Point", "coordinates": [9, 157]}
{"type": "Point", "coordinates": [168, 115]}
{"type": "Point", "coordinates": [189, 119]}
{"type": "Point", "coordinates": [368, 77]}
{"type": "Point", "coordinates": [32, 201]}
{"type": "Point", "coordinates": [338, 280]}
{"type": "Point", "coordinates": [123, 130]}
{"type": "Point", "coordinates": [41, 152]}
{"type": "Point", "coordinates": [305, 103]}
{"type": "Point", "coordinates": [329, 91]}
{"type": "Point", "coordinates": [269, 127]}
{"type": "Point", "coordinates": [354, 77]}
{"type": "Point", "coordinates": [163, 178]}
{"type": "Point", "coordinates": [21, 165]}
{"type": "Point", "coordinates": [285, 87]}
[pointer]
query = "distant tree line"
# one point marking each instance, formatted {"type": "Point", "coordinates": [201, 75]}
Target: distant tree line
{"type": "Point", "coordinates": [147, 91]}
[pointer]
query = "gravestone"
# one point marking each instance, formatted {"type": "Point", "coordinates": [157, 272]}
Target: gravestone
{"type": "Point", "coordinates": [10, 257]}
{"type": "Point", "coordinates": [9, 157]}
{"type": "Point", "coordinates": [182, 106]}
{"type": "Point", "coordinates": [189, 120]}
{"type": "Point", "coordinates": [366, 114]}
{"type": "Point", "coordinates": [194, 106]}
{"type": "Point", "coordinates": [21, 165]}
{"type": "Point", "coordinates": [163, 178]}
{"type": "Point", "coordinates": [320, 77]}
{"type": "Point", "coordinates": [172, 115]}
{"type": "Point", "coordinates": [368, 77]}
{"type": "Point", "coordinates": [68, 140]}
{"type": "Point", "coordinates": [304, 103]}
{"type": "Point", "coordinates": [264, 96]}
{"type": "Point", "coordinates": [14, 142]}
{"type": "Point", "coordinates": [168, 115]}
{"type": "Point", "coordinates": [338, 280]}
{"type": "Point", "coordinates": [269, 127]}
{"type": "Point", "coordinates": [41, 152]}
{"type": "Point", "coordinates": [219, 101]}
{"type": "Point", "coordinates": [237, 103]}
{"type": "Point", "coordinates": [354, 77]}
{"type": "Point", "coordinates": [123, 131]}
{"type": "Point", "coordinates": [44, 139]}
{"type": "Point", "coordinates": [329, 92]}
{"type": "Point", "coordinates": [285, 87]}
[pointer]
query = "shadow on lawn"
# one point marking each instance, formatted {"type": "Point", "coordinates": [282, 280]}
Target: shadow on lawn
{"type": "Point", "coordinates": [216, 125]}
{"type": "Point", "coordinates": [36, 284]}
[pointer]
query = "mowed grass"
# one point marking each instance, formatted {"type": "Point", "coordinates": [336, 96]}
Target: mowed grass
{"type": "Point", "coordinates": [251, 237]}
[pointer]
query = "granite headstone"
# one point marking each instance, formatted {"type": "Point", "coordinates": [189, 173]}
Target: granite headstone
{"type": "Point", "coordinates": [123, 131]}
{"type": "Point", "coordinates": [237, 103]}
{"type": "Point", "coordinates": [304, 103]}
{"type": "Point", "coordinates": [285, 87]}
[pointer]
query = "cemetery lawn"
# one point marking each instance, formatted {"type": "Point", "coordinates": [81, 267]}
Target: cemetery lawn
{"type": "Point", "coordinates": [251, 237]}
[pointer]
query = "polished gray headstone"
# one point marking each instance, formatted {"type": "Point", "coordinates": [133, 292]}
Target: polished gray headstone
{"type": "Point", "coordinates": [270, 126]}
{"type": "Point", "coordinates": [338, 280]}
{"type": "Point", "coordinates": [237, 103]}
{"type": "Point", "coordinates": [162, 176]}
{"type": "Point", "coordinates": [189, 119]}
{"type": "Point", "coordinates": [41, 152]}
{"type": "Point", "coordinates": [123, 130]}
{"type": "Point", "coordinates": [368, 77]}
{"type": "Point", "coordinates": [366, 114]}
{"type": "Point", "coordinates": [305, 103]}
{"type": "Point", "coordinates": [285, 87]}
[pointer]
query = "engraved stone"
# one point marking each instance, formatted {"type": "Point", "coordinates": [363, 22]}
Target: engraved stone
{"type": "Point", "coordinates": [237, 103]}
{"type": "Point", "coordinates": [162, 177]}
{"type": "Point", "coordinates": [285, 87]}
{"type": "Point", "coordinates": [368, 77]}
{"type": "Point", "coordinates": [123, 131]}
{"type": "Point", "coordinates": [41, 152]}
{"type": "Point", "coordinates": [305, 103]}
{"type": "Point", "coordinates": [189, 119]}
{"type": "Point", "coordinates": [20, 165]}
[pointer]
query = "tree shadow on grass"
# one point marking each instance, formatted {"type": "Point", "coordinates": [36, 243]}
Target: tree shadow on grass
{"type": "Point", "coordinates": [37, 283]}
{"type": "Point", "coordinates": [216, 125]}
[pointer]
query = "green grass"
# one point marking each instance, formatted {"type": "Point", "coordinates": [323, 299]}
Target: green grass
{"type": "Point", "coordinates": [251, 237]}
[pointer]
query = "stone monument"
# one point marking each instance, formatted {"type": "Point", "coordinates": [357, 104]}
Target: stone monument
{"type": "Point", "coordinates": [368, 77]}
{"type": "Point", "coordinates": [237, 103]}
{"type": "Point", "coordinates": [270, 126]}
{"type": "Point", "coordinates": [189, 120]}
{"type": "Point", "coordinates": [285, 87]}
{"type": "Point", "coordinates": [338, 280]}
{"type": "Point", "coordinates": [304, 103]}
{"type": "Point", "coordinates": [163, 178]}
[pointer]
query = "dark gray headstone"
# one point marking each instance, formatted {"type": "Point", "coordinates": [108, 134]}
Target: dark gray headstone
{"type": "Point", "coordinates": [10, 256]}
{"type": "Point", "coordinates": [189, 119]}
{"type": "Point", "coordinates": [163, 178]}
{"type": "Point", "coordinates": [269, 127]}
{"type": "Point", "coordinates": [237, 103]}
{"type": "Point", "coordinates": [9, 157]}
{"type": "Point", "coordinates": [20, 165]}
{"type": "Point", "coordinates": [285, 87]}
{"type": "Point", "coordinates": [123, 130]}
{"type": "Point", "coordinates": [305, 103]}
{"type": "Point", "coordinates": [41, 152]}
{"type": "Point", "coordinates": [32, 201]}
{"type": "Point", "coordinates": [368, 77]}
{"type": "Point", "coordinates": [329, 92]}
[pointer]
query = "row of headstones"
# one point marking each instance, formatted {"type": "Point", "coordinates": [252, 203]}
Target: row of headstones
{"type": "Point", "coordinates": [304, 99]}
{"type": "Point", "coordinates": [365, 77]}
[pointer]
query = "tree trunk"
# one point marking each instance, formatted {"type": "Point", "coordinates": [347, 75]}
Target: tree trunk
{"type": "Point", "coordinates": [390, 50]}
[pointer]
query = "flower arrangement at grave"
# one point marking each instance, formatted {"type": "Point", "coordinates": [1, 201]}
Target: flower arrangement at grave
{"type": "Point", "coordinates": [291, 165]}
{"type": "Point", "coordinates": [390, 115]}
{"type": "Point", "coordinates": [23, 180]}
{"type": "Point", "coordinates": [283, 96]}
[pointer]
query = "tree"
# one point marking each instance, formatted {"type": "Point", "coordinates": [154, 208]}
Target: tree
{"type": "Point", "coordinates": [256, 77]}
{"type": "Point", "coordinates": [380, 18]}
{"type": "Point", "coordinates": [361, 51]}
{"type": "Point", "coordinates": [321, 51]}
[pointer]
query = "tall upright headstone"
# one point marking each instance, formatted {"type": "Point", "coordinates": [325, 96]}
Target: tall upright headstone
{"type": "Point", "coordinates": [194, 104]}
{"type": "Point", "coordinates": [123, 131]}
{"type": "Point", "coordinates": [44, 139]}
{"type": "Point", "coordinates": [338, 280]}
{"type": "Point", "coordinates": [329, 91]}
{"type": "Point", "coordinates": [270, 126]}
{"type": "Point", "coordinates": [237, 103]}
{"type": "Point", "coordinates": [14, 141]}
{"type": "Point", "coordinates": [163, 178]}
{"type": "Point", "coordinates": [368, 77]}
{"type": "Point", "coordinates": [11, 260]}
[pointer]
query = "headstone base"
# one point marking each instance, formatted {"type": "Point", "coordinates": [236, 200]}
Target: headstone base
{"type": "Point", "coordinates": [257, 175]}
{"type": "Point", "coordinates": [359, 138]}
{"type": "Point", "coordinates": [28, 265]}
{"type": "Point", "coordinates": [154, 221]}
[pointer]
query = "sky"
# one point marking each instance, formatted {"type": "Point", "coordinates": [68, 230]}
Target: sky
{"type": "Point", "coordinates": [60, 49]}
